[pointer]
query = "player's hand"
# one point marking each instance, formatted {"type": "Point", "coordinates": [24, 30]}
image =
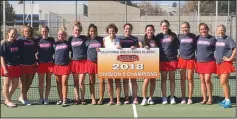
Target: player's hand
{"type": "Point", "coordinates": [118, 47]}
{"type": "Point", "coordinates": [147, 47]}
{"type": "Point", "coordinates": [98, 49]}
{"type": "Point", "coordinates": [226, 59]}
{"type": "Point", "coordinates": [178, 56]}
{"type": "Point", "coordinates": [36, 64]}
{"type": "Point", "coordinates": [5, 72]}
{"type": "Point", "coordinates": [133, 48]}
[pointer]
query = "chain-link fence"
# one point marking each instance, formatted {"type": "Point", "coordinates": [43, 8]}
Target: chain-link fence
{"type": "Point", "coordinates": [56, 15]}
{"type": "Point", "coordinates": [54, 22]}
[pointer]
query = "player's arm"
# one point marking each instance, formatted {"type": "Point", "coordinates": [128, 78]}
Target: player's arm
{"type": "Point", "coordinates": [3, 64]}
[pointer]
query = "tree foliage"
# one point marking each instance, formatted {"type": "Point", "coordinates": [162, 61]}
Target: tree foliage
{"type": "Point", "coordinates": [147, 9]}
{"type": "Point", "coordinates": [10, 13]}
{"type": "Point", "coordinates": [174, 4]}
{"type": "Point", "coordinates": [209, 7]}
{"type": "Point", "coordinates": [129, 2]}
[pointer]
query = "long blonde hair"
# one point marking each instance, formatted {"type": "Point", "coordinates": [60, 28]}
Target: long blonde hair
{"type": "Point", "coordinates": [29, 28]}
{"type": "Point", "coordinates": [7, 32]}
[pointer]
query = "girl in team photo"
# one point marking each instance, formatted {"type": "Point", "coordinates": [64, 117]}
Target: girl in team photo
{"type": "Point", "coordinates": [186, 61]}
{"type": "Point", "coordinates": [94, 42]}
{"type": "Point", "coordinates": [62, 67]}
{"type": "Point", "coordinates": [168, 44]}
{"type": "Point", "coordinates": [225, 53]}
{"type": "Point", "coordinates": [10, 68]}
{"type": "Point", "coordinates": [112, 41]}
{"type": "Point", "coordinates": [148, 42]}
{"type": "Point", "coordinates": [205, 61]}
{"type": "Point", "coordinates": [27, 45]}
{"type": "Point", "coordinates": [45, 63]}
{"type": "Point", "coordinates": [129, 41]}
{"type": "Point", "coordinates": [78, 63]}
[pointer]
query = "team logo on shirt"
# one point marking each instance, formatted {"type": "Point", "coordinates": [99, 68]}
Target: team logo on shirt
{"type": "Point", "coordinates": [204, 43]}
{"type": "Point", "coordinates": [61, 47]}
{"type": "Point", "coordinates": [153, 45]}
{"type": "Point", "coordinates": [76, 43]}
{"type": "Point", "coordinates": [95, 45]}
{"type": "Point", "coordinates": [45, 45]}
{"type": "Point", "coordinates": [14, 49]}
{"type": "Point", "coordinates": [126, 41]}
{"type": "Point", "coordinates": [166, 40]}
{"type": "Point", "coordinates": [187, 40]}
{"type": "Point", "coordinates": [28, 43]}
{"type": "Point", "coordinates": [127, 58]}
{"type": "Point", "coordinates": [220, 44]}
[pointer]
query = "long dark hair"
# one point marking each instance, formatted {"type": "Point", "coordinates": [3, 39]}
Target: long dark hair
{"type": "Point", "coordinates": [147, 42]}
{"type": "Point", "coordinates": [92, 26]}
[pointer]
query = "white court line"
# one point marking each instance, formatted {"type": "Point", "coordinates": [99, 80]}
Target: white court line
{"type": "Point", "coordinates": [133, 105]}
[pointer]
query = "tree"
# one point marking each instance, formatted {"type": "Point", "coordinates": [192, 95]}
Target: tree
{"type": "Point", "coordinates": [174, 4]}
{"type": "Point", "coordinates": [209, 7]}
{"type": "Point", "coordinates": [10, 13]}
{"type": "Point", "coordinates": [146, 8]}
{"type": "Point", "coordinates": [129, 2]}
{"type": "Point", "coordinates": [20, 1]}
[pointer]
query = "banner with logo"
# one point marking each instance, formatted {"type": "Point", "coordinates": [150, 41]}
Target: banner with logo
{"type": "Point", "coordinates": [128, 63]}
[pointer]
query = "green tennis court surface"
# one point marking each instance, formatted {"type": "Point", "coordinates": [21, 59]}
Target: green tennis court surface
{"type": "Point", "coordinates": [158, 110]}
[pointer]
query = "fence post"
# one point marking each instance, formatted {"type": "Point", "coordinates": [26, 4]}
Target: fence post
{"type": "Point", "coordinates": [4, 18]}
{"type": "Point", "coordinates": [49, 20]}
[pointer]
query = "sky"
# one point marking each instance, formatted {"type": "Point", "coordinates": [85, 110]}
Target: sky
{"type": "Point", "coordinates": [85, 2]}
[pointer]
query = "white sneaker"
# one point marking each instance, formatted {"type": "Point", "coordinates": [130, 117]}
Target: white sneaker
{"type": "Point", "coordinates": [150, 101]}
{"type": "Point", "coordinates": [164, 101]}
{"type": "Point", "coordinates": [190, 102]}
{"type": "Point", "coordinates": [59, 102]}
{"type": "Point", "coordinates": [144, 102]}
{"type": "Point", "coordinates": [27, 103]}
{"type": "Point", "coordinates": [21, 100]}
{"type": "Point", "coordinates": [172, 101]}
{"type": "Point", "coordinates": [46, 102]}
{"type": "Point", "coordinates": [183, 101]}
{"type": "Point", "coordinates": [64, 104]}
{"type": "Point", "coordinates": [41, 101]}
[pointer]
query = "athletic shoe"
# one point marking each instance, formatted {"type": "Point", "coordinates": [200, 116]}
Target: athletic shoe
{"type": "Point", "coordinates": [150, 101]}
{"type": "Point", "coordinates": [144, 102]}
{"type": "Point", "coordinates": [64, 104]}
{"type": "Point", "coordinates": [227, 104]}
{"type": "Point", "coordinates": [164, 101]}
{"type": "Point", "coordinates": [172, 101]}
{"type": "Point", "coordinates": [27, 103]}
{"type": "Point", "coordinates": [41, 101]}
{"type": "Point", "coordinates": [59, 102]}
{"type": "Point", "coordinates": [135, 101]}
{"type": "Point", "coordinates": [21, 100]}
{"type": "Point", "coordinates": [190, 101]}
{"type": "Point", "coordinates": [46, 102]}
{"type": "Point", "coordinates": [183, 101]}
{"type": "Point", "coordinates": [126, 102]}
{"type": "Point", "coordinates": [222, 103]}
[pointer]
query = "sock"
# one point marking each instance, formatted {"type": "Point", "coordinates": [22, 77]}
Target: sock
{"type": "Point", "coordinates": [227, 100]}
